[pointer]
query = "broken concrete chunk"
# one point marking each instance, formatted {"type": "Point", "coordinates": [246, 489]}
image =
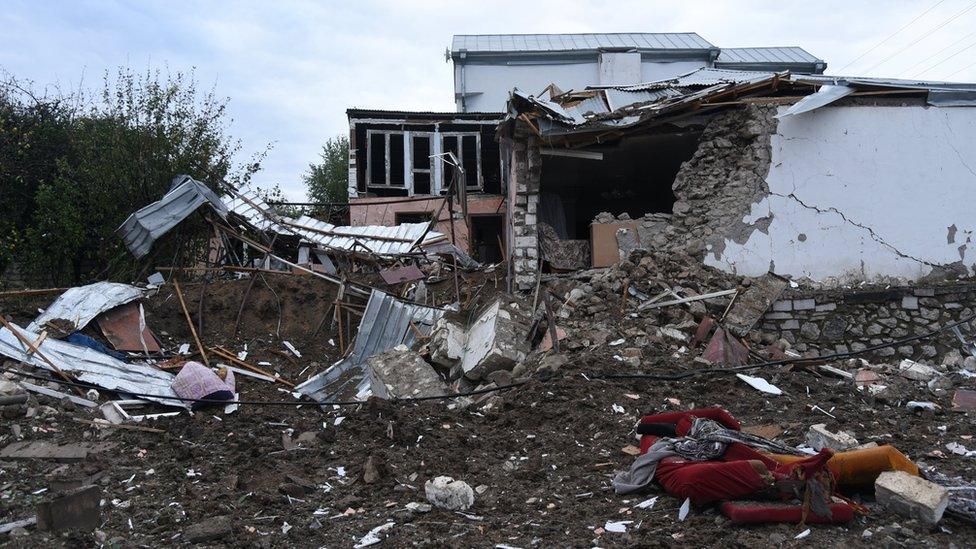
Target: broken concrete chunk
{"type": "Point", "coordinates": [917, 371]}
{"type": "Point", "coordinates": [447, 493]}
{"type": "Point", "coordinates": [78, 509]}
{"type": "Point", "coordinates": [447, 343]}
{"type": "Point", "coordinates": [38, 449]}
{"type": "Point", "coordinates": [495, 342]}
{"type": "Point", "coordinates": [209, 529]}
{"type": "Point", "coordinates": [818, 438]}
{"type": "Point", "coordinates": [402, 373]}
{"type": "Point", "coordinates": [911, 496]}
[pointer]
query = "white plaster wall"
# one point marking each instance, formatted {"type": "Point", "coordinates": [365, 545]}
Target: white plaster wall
{"type": "Point", "coordinates": [862, 193]}
{"type": "Point", "coordinates": [618, 68]}
{"type": "Point", "coordinates": [496, 81]}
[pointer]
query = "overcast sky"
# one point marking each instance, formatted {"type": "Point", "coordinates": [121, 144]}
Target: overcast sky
{"type": "Point", "coordinates": [291, 69]}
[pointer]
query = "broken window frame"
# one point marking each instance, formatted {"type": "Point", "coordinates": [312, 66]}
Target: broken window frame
{"type": "Point", "coordinates": [438, 170]}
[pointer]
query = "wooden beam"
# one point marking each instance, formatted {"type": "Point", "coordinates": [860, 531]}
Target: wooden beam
{"type": "Point", "coordinates": [189, 321]}
{"type": "Point", "coordinates": [30, 346]}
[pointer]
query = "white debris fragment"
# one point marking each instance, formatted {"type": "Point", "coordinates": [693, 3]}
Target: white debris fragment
{"type": "Point", "coordinates": [917, 405]}
{"type": "Point", "coordinates": [619, 526]}
{"type": "Point", "coordinates": [292, 348]}
{"type": "Point", "coordinates": [647, 503]}
{"type": "Point", "coordinates": [618, 409]}
{"type": "Point", "coordinates": [617, 342]}
{"type": "Point", "coordinates": [760, 384]}
{"type": "Point", "coordinates": [802, 534]}
{"type": "Point", "coordinates": [960, 450]}
{"type": "Point", "coordinates": [184, 349]}
{"type": "Point", "coordinates": [685, 509]}
{"type": "Point", "coordinates": [373, 536]}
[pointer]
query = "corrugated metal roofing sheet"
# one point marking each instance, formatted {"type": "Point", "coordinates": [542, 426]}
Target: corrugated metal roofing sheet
{"type": "Point", "coordinates": [788, 54]}
{"type": "Point", "coordinates": [703, 78]}
{"type": "Point", "coordinates": [523, 43]}
{"type": "Point", "coordinates": [385, 324]}
{"type": "Point", "coordinates": [90, 366]}
{"type": "Point", "coordinates": [83, 303]}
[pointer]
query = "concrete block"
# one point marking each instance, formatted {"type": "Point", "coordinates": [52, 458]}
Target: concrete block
{"type": "Point", "coordinates": [78, 509]}
{"type": "Point", "coordinates": [916, 370]}
{"type": "Point", "coordinates": [400, 373]}
{"type": "Point", "coordinates": [495, 342]}
{"type": "Point", "coordinates": [804, 304]}
{"type": "Point", "coordinates": [447, 343]}
{"type": "Point", "coordinates": [818, 438]}
{"type": "Point", "coordinates": [911, 496]}
{"type": "Point", "coordinates": [909, 302]}
{"type": "Point", "coordinates": [447, 493]}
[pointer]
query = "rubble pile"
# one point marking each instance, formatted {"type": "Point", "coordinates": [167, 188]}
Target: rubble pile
{"type": "Point", "coordinates": [287, 408]}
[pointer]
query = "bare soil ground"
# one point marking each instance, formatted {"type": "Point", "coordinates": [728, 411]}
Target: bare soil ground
{"type": "Point", "coordinates": [540, 456]}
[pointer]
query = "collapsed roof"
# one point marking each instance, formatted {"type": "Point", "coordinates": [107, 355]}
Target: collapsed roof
{"type": "Point", "coordinates": [599, 113]}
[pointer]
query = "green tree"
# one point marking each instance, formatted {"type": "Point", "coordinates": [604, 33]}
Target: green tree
{"type": "Point", "coordinates": [328, 181]}
{"type": "Point", "coordinates": [72, 168]}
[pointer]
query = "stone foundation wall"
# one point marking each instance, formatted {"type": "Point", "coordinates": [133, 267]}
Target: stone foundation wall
{"type": "Point", "coordinates": [826, 321]}
{"type": "Point", "coordinates": [526, 177]}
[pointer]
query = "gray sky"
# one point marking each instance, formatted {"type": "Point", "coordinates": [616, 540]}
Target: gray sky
{"type": "Point", "coordinates": [292, 68]}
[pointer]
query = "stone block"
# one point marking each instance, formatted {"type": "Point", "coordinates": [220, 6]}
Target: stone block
{"type": "Point", "coordinates": [495, 342]}
{"type": "Point", "coordinates": [77, 509]}
{"type": "Point", "coordinates": [784, 305]}
{"type": "Point", "coordinates": [447, 343]}
{"type": "Point", "coordinates": [810, 330]}
{"type": "Point", "coordinates": [916, 371]}
{"type": "Point", "coordinates": [818, 438]}
{"type": "Point", "coordinates": [778, 316]}
{"type": "Point", "coordinates": [210, 529]}
{"type": "Point", "coordinates": [924, 292]}
{"type": "Point", "coordinates": [447, 493]}
{"type": "Point", "coordinates": [911, 496]}
{"type": "Point", "coordinates": [401, 373]}
{"type": "Point", "coordinates": [909, 302]}
{"type": "Point", "coordinates": [804, 304]}
{"type": "Point", "coordinates": [792, 324]}
{"type": "Point", "coordinates": [826, 307]}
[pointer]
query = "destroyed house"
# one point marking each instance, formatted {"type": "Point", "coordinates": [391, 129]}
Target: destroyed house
{"type": "Point", "coordinates": [836, 180]}
{"type": "Point", "coordinates": [400, 167]}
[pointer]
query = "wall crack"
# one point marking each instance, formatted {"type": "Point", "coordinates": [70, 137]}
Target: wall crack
{"type": "Point", "coordinates": [874, 236]}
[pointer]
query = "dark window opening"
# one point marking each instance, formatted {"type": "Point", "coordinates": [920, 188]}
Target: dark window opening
{"type": "Point", "coordinates": [469, 159]}
{"type": "Point", "coordinates": [421, 152]}
{"type": "Point", "coordinates": [377, 159]}
{"type": "Point", "coordinates": [486, 238]}
{"type": "Point", "coordinates": [421, 182]}
{"type": "Point", "coordinates": [635, 176]}
{"type": "Point", "coordinates": [396, 160]}
{"type": "Point", "coordinates": [413, 217]}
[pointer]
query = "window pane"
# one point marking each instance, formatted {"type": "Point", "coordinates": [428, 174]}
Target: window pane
{"type": "Point", "coordinates": [450, 144]}
{"type": "Point", "coordinates": [421, 182]}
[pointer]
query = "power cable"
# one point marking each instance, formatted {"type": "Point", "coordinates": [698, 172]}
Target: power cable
{"type": "Point", "coordinates": [944, 60]}
{"type": "Point", "coordinates": [890, 36]}
{"type": "Point", "coordinates": [267, 402]}
{"type": "Point", "coordinates": [920, 38]}
{"type": "Point", "coordinates": [960, 70]}
{"type": "Point", "coordinates": [934, 55]}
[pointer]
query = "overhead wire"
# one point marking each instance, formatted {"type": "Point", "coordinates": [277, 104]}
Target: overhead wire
{"type": "Point", "coordinates": [923, 37]}
{"type": "Point", "coordinates": [934, 55]}
{"type": "Point", "coordinates": [946, 59]}
{"type": "Point", "coordinates": [890, 36]}
{"type": "Point", "coordinates": [950, 75]}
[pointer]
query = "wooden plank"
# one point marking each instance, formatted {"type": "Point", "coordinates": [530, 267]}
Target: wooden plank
{"type": "Point", "coordinates": [39, 449]}
{"type": "Point", "coordinates": [189, 321]}
{"type": "Point", "coordinates": [230, 356]}
{"type": "Point", "coordinates": [686, 299]}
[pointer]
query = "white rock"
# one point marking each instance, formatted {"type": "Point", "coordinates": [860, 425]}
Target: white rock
{"type": "Point", "coordinates": [911, 496]}
{"type": "Point", "coordinates": [818, 437]}
{"type": "Point", "coordinates": [447, 493]}
{"type": "Point", "coordinates": [916, 370]}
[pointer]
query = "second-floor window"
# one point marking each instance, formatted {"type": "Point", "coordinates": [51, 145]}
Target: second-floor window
{"type": "Point", "coordinates": [402, 160]}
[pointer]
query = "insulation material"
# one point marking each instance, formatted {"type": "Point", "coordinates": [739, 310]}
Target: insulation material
{"type": "Point", "coordinates": [90, 366]}
{"type": "Point", "coordinates": [82, 304]}
{"type": "Point", "coordinates": [125, 328]}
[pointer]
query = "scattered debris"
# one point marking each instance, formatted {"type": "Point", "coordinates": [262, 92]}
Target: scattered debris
{"type": "Point", "coordinates": [911, 496]}
{"type": "Point", "coordinates": [760, 384]}
{"type": "Point", "coordinates": [818, 438]}
{"type": "Point", "coordinates": [450, 494]}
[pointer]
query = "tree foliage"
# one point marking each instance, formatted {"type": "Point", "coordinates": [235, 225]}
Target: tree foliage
{"type": "Point", "coordinates": [73, 167]}
{"type": "Point", "coordinates": [327, 181]}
